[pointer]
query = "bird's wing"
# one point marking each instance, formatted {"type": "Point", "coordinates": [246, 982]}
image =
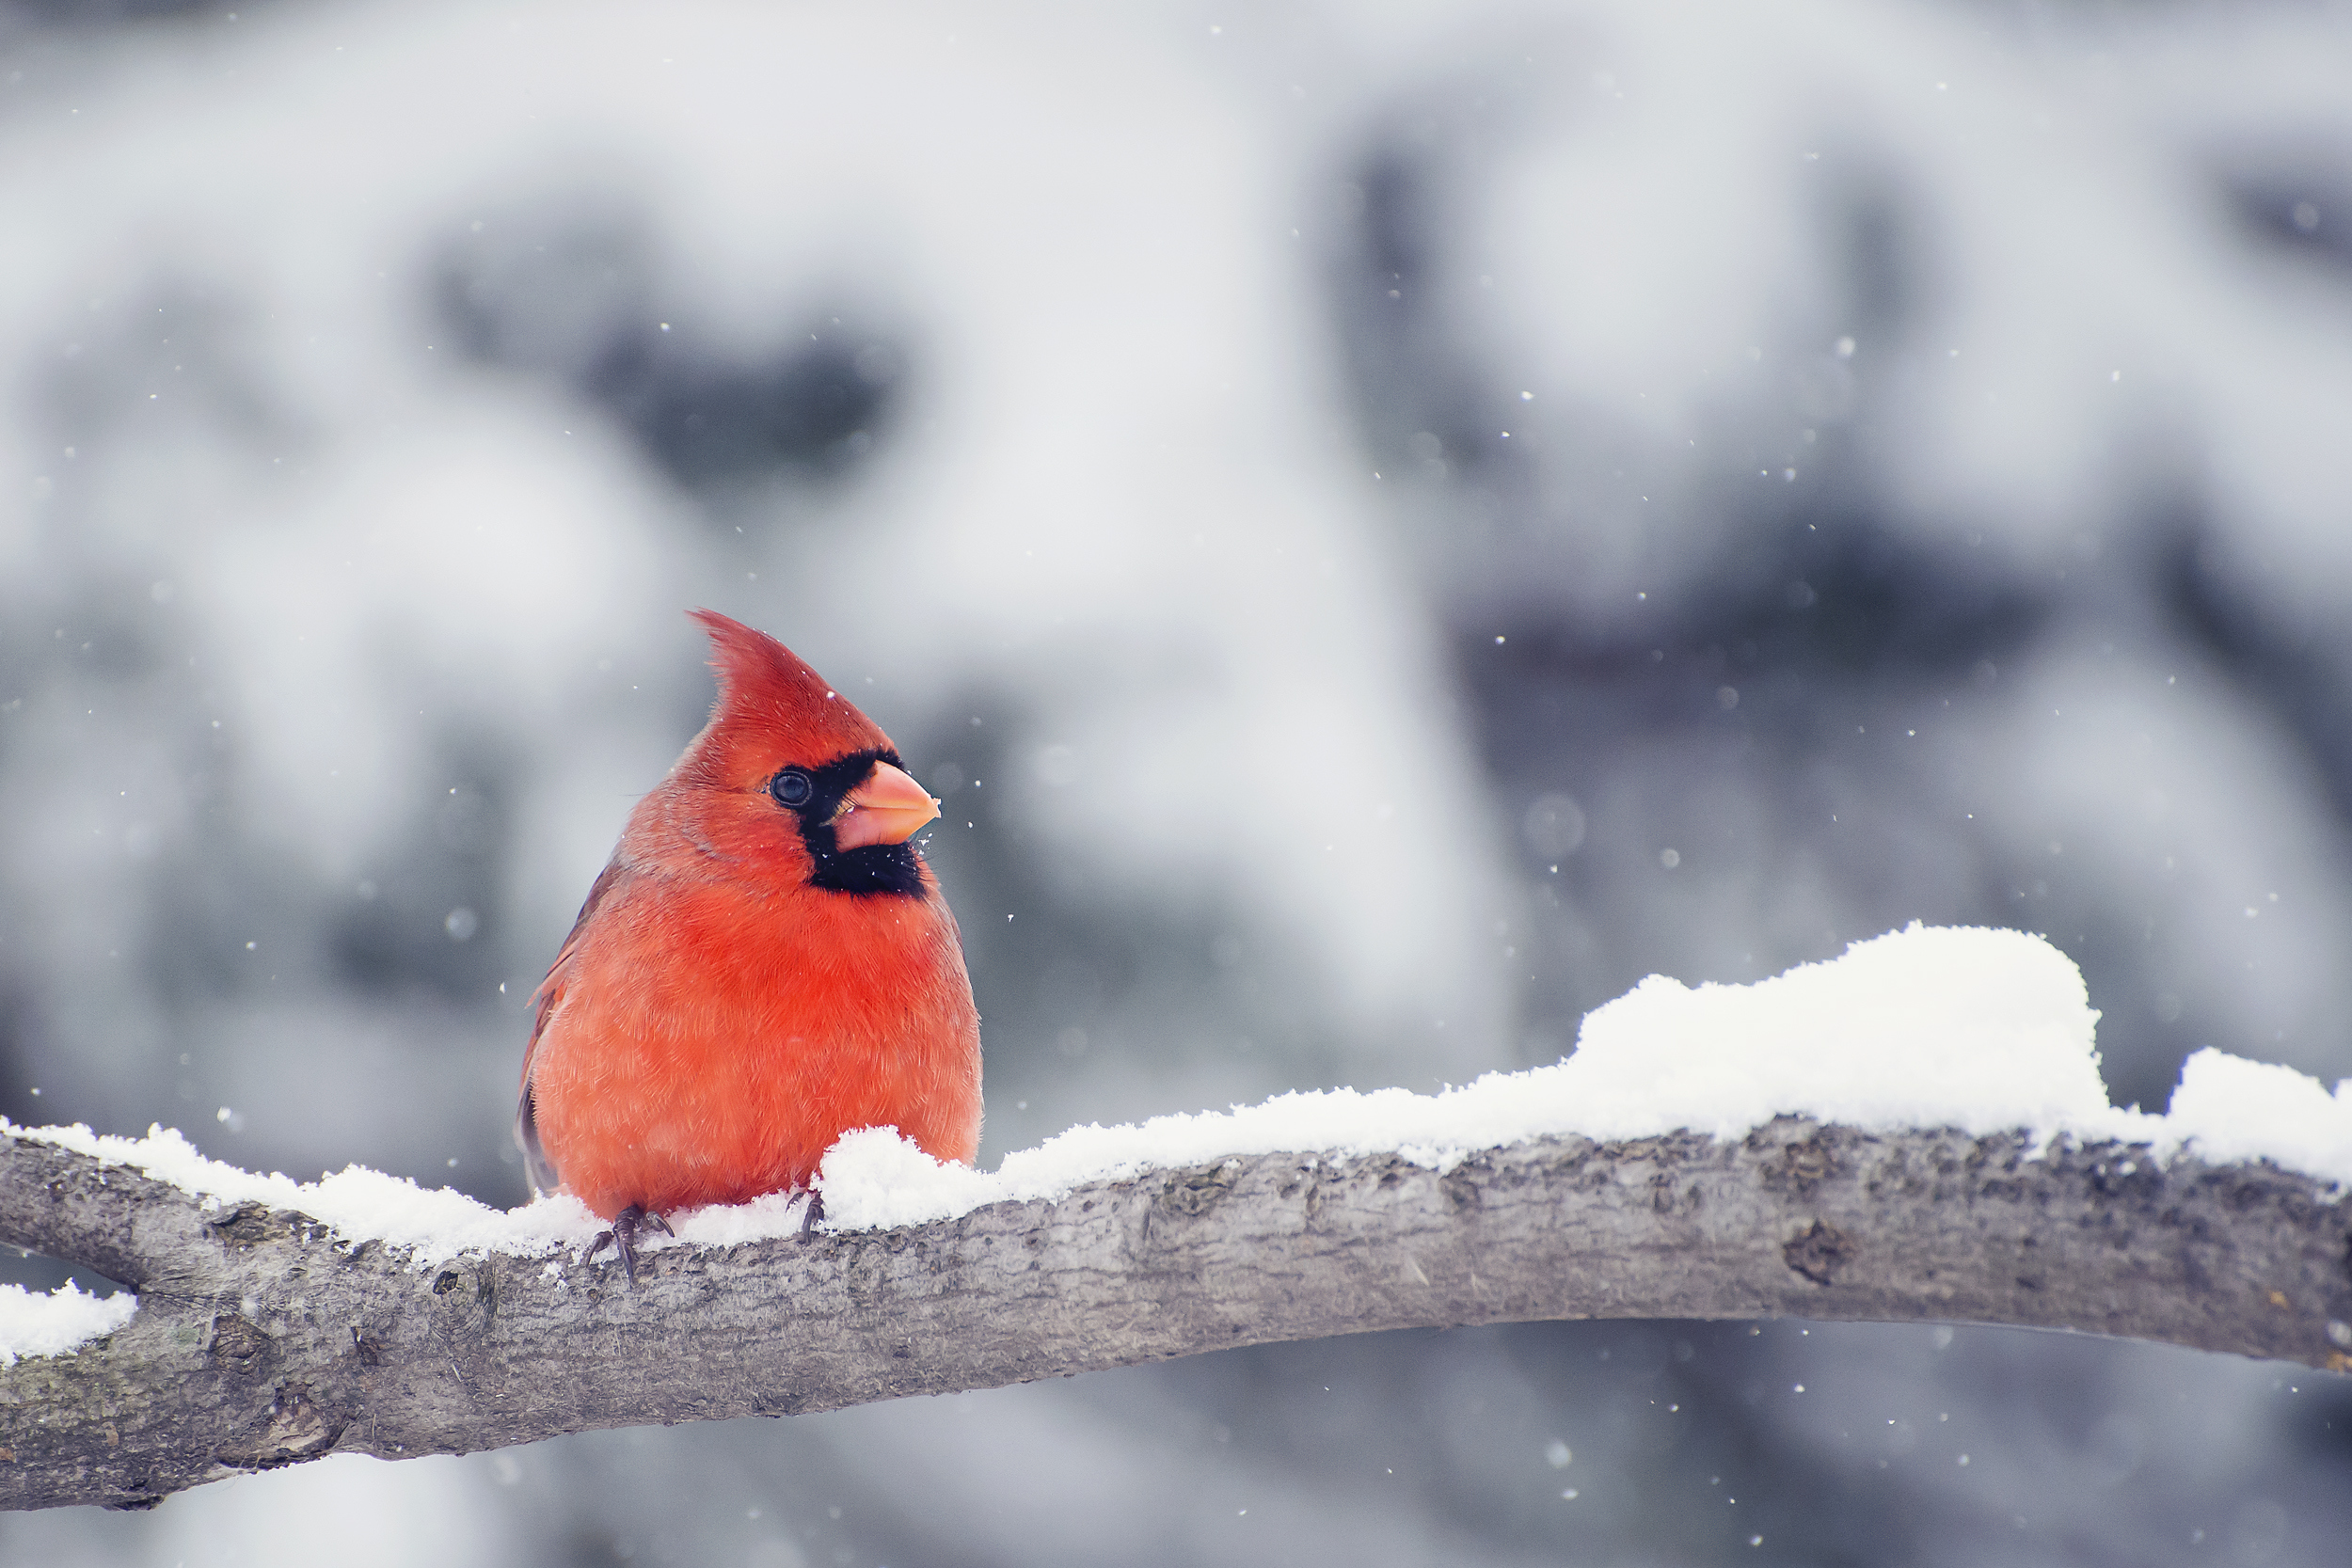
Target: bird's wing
{"type": "Point", "coordinates": [543, 1175]}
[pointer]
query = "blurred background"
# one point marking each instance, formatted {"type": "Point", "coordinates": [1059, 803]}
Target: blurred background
{"type": "Point", "coordinates": [1384, 524]}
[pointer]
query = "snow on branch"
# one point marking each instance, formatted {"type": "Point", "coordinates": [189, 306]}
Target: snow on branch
{"type": "Point", "coordinates": [264, 1338]}
{"type": "Point", "coordinates": [1951, 1156]}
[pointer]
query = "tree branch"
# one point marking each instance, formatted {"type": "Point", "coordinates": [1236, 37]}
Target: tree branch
{"type": "Point", "coordinates": [263, 1340]}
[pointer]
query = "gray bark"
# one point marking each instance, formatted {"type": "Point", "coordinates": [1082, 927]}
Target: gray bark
{"type": "Point", "coordinates": [265, 1339]}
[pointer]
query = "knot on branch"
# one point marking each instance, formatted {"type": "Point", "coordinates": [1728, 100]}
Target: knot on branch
{"type": "Point", "coordinates": [239, 1345]}
{"type": "Point", "coordinates": [295, 1429]}
{"type": "Point", "coordinates": [1194, 1193]}
{"type": "Point", "coordinates": [1800, 1167]}
{"type": "Point", "coordinates": [1821, 1252]}
{"type": "Point", "coordinates": [253, 1224]}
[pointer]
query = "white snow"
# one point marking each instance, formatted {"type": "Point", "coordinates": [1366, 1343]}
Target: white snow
{"type": "Point", "coordinates": [32, 1323]}
{"type": "Point", "coordinates": [2233, 1109]}
{"type": "Point", "coordinates": [357, 1202]}
{"type": "Point", "coordinates": [1932, 1026]}
{"type": "Point", "coordinates": [1981, 1030]}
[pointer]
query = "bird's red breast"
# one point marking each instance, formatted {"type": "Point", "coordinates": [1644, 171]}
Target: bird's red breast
{"type": "Point", "coordinates": [766, 964]}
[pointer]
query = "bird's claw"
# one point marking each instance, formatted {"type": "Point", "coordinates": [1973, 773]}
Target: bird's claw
{"type": "Point", "coordinates": [627, 1225]}
{"type": "Point", "coordinates": [809, 1217]}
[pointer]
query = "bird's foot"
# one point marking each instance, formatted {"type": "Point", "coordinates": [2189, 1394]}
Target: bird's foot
{"type": "Point", "coordinates": [626, 1227]}
{"type": "Point", "coordinates": [810, 1215]}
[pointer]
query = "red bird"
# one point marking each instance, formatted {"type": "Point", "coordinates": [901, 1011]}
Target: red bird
{"type": "Point", "coordinates": [766, 964]}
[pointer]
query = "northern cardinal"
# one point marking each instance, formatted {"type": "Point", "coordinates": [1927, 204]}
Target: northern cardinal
{"type": "Point", "coordinates": [765, 964]}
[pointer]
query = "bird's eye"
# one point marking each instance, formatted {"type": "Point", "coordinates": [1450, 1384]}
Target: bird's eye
{"type": "Point", "coordinates": [792, 787]}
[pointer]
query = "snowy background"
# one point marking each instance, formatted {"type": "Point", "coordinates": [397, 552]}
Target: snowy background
{"type": "Point", "coordinates": [1385, 525]}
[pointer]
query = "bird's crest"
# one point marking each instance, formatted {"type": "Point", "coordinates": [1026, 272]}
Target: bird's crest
{"type": "Point", "coordinates": [772, 710]}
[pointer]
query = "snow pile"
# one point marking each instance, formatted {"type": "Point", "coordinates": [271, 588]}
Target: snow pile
{"type": "Point", "coordinates": [355, 1201]}
{"type": "Point", "coordinates": [2233, 1109]}
{"type": "Point", "coordinates": [1965, 1027]}
{"type": "Point", "coordinates": [874, 1178]}
{"type": "Point", "coordinates": [1982, 1030]}
{"type": "Point", "coordinates": [65, 1319]}
{"type": "Point", "coordinates": [771, 1215]}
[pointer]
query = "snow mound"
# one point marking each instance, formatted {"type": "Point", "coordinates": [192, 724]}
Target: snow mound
{"type": "Point", "coordinates": [32, 1323]}
{"type": "Point", "coordinates": [1962, 1027]}
{"type": "Point", "coordinates": [355, 1201]}
{"type": "Point", "coordinates": [2228, 1108]}
{"type": "Point", "coordinates": [1979, 1030]}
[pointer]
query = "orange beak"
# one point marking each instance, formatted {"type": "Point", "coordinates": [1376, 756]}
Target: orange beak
{"type": "Point", "coordinates": [888, 808]}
